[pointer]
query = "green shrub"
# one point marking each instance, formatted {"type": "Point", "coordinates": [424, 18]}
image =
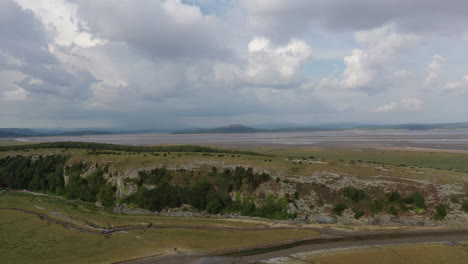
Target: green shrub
{"type": "Point", "coordinates": [393, 197]}
{"type": "Point", "coordinates": [393, 211]}
{"type": "Point", "coordinates": [296, 196]}
{"type": "Point", "coordinates": [358, 214]}
{"type": "Point", "coordinates": [416, 199]}
{"type": "Point", "coordinates": [376, 206]}
{"type": "Point", "coordinates": [465, 206]}
{"type": "Point", "coordinates": [214, 206]}
{"type": "Point", "coordinates": [339, 208]}
{"type": "Point", "coordinates": [441, 212]}
{"type": "Point", "coordinates": [354, 194]}
{"type": "Point", "coordinates": [403, 207]}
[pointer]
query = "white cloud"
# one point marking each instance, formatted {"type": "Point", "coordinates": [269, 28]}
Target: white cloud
{"type": "Point", "coordinates": [267, 62]}
{"type": "Point", "coordinates": [157, 63]}
{"type": "Point", "coordinates": [61, 17]}
{"type": "Point", "coordinates": [458, 87]}
{"type": "Point", "coordinates": [18, 94]}
{"type": "Point", "coordinates": [404, 105]}
{"type": "Point", "coordinates": [381, 47]}
{"type": "Point", "coordinates": [434, 70]}
{"type": "Point", "coordinates": [165, 29]}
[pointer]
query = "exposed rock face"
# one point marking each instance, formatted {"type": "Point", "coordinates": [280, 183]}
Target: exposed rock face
{"type": "Point", "coordinates": [313, 197]}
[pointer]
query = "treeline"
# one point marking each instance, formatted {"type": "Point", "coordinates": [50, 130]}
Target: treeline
{"type": "Point", "coordinates": [393, 203]}
{"type": "Point", "coordinates": [46, 174]}
{"type": "Point", "coordinates": [91, 188]}
{"type": "Point", "coordinates": [210, 194]}
{"type": "Point", "coordinates": [104, 146]}
{"type": "Point", "coordinates": [42, 174]}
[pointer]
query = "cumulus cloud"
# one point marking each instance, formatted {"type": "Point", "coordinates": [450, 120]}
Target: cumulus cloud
{"type": "Point", "coordinates": [434, 70]}
{"type": "Point", "coordinates": [404, 105]}
{"type": "Point", "coordinates": [61, 18]}
{"type": "Point", "coordinates": [26, 51]}
{"type": "Point", "coordinates": [167, 29]}
{"type": "Point", "coordinates": [163, 63]}
{"type": "Point", "coordinates": [381, 47]}
{"type": "Point", "coordinates": [267, 62]}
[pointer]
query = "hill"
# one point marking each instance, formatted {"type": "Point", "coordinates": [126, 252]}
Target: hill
{"type": "Point", "coordinates": [220, 130]}
{"type": "Point", "coordinates": [328, 127]}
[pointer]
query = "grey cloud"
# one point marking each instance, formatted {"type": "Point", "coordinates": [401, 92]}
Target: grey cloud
{"type": "Point", "coordinates": [159, 29]}
{"type": "Point", "coordinates": [22, 34]}
{"type": "Point", "coordinates": [24, 38]}
{"type": "Point", "coordinates": [286, 18]}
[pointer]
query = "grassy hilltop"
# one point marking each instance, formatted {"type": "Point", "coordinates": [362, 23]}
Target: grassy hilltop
{"type": "Point", "coordinates": [103, 203]}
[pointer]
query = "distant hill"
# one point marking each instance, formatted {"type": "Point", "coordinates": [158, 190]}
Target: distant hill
{"type": "Point", "coordinates": [7, 134]}
{"type": "Point", "coordinates": [24, 132]}
{"type": "Point", "coordinates": [244, 129]}
{"type": "Point", "coordinates": [219, 130]}
{"type": "Point", "coordinates": [84, 133]}
{"type": "Point", "coordinates": [419, 126]}
{"type": "Point", "coordinates": [232, 129]}
{"type": "Point", "coordinates": [331, 127]}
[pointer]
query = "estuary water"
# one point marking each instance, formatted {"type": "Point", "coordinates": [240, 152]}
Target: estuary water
{"type": "Point", "coordinates": [435, 139]}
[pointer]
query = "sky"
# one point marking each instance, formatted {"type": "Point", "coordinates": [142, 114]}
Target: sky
{"type": "Point", "coordinates": [139, 64]}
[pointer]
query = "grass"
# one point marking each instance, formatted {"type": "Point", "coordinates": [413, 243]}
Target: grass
{"type": "Point", "coordinates": [27, 239]}
{"type": "Point", "coordinates": [336, 161]}
{"type": "Point", "coordinates": [81, 212]}
{"type": "Point", "coordinates": [424, 159]}
{"type": "Point", "coordinates": [12, 143]}
{"type": "Point", "coordinates": [414, 254]}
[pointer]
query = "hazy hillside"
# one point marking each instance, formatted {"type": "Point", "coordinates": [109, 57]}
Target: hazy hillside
{"type": "Point", "coordinates": [327, 127]}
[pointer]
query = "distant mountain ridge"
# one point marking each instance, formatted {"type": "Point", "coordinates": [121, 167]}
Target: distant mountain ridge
{"type": "Point", "coordinates": [20, 132]}
{"type": "Point", "coordinates": [331, 127]}
{"type": "Point", "coordinates": [219, 130]}
{"type": "Point", "coordinates": [232, 129]}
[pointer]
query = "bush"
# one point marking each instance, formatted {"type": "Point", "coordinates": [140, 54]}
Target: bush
{"type": "Point", "coordinates": [339, 208]}
{"type": "Point", "coordinates": [416, 199]}
{"type": "Point", "coordinates": [376, 206]}
{"type": "Point", "coordinates": [393, 197]}
{"type": "Point", "coordinates": [358, 214]}
{"type": "Point", "coordinates": [465, 206]}
{"type": "Point", "coordinates": [403, 207]}
{"type": "Point", "coordinates": [354, 194]}
{"type": "Point", "coordinates": [441, 212]}
{"type": "Point", "coordinates": [393, 211]}
{"type": "Point", "coordinates": [296, 196]}
{"type": "Point", "coordinates": [214, 206]}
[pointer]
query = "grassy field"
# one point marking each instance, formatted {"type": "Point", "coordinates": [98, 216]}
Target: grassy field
{"type": "Point", "coordinates": [12, 143]}
{"type": "Point", "coordinates": [443, 167]}
{"type": "Point", "coordinates": [80, 212]}
{"type": "Point", "coordinates": [424, 159]}
{"type": "Point", "coordinates": [414, 254]}
{"type": "Point", "coordinates": [27, 239]}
